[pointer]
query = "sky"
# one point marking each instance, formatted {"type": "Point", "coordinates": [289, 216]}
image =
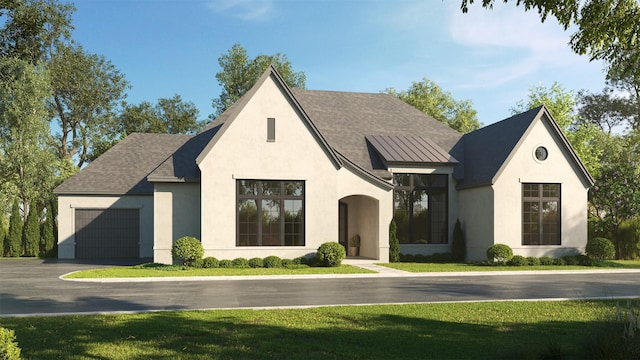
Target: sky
{"type": "Point", "coordinates": [491, 57]}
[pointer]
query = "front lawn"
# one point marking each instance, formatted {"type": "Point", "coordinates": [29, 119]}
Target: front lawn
{"type": "Point", "coordinates": [493, 330]}
{"type": "Point", "coordinates": [171, 271]}
{"type": "Point", "coordinates": [460, 267]}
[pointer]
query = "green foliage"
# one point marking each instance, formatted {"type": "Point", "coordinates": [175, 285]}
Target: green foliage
{"type": "Point", "coordinates": [240, 263]}
{"type": "Point", "coordinates": [600, 249]}
{"type": "Point", "coordinates": [629, 239]}
{"type": "Point", "coordinates": [188, 249]}
{"type": "Point", "coordinates": [499, 254]}
{"type": "Point", "coordinates": [354, 241]}
{"type": "Point", "coordinates": [546, 260]}
{"type": "Point", "coordinates": [47, 238]}
{"type": "Point", "coordinates": [31, 232]}
{"type": "Point", "coordinates": [272, 262]}
{"type": "Point", "coordinates": [394, 244]}
{"type": "Point", "coordinates": [225, 264]}
{"type": "Point", "coordinates": [239, 73]}
{"type": "Point", "coordinates": [210, 262]}
{"type": "Point", "coordinates": [197, 263]}
{"type": "Point", "coordinates": [458, 246]}
{"type": "Point", "coordinates": [533, 261]}
{"type": "Point", "coordinates": [256, 262]}
{"type": "Point", "coordinates": [572, 260]}
{"type": "Point", "coordinates": [559, 262]}
{"type": "Point", "coordinates": [432, 100]}
{"type": "Point", "coordinates": [13, 241]}
{"type": "Point", "coordinates": [9, 349]}
{"type": "Point", "coordinates": [331, 254]}
{"type": "Point", "coordinates": [518, 260]}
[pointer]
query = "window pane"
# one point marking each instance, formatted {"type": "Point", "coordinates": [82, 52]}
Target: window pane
{"type": "Point", "coordinates": [271, 223]}
{"type": "Point", "coordinates": [541, 214]}
{"type": "Point", "coordinates": [550, 190]}
{"type": "Point", "coordinates": [271, 188]}
{"type": "Point", "coordinates": [438, 218]}
{"type": "Point", "coordinates": [530, 190]}
{"type": "Point", "coordinates": [293, 223]}
{"type": "Point", "coordinates": [247, 187]}
{"type": "Point", "coordinates": [401, 215]}
{"type": "Point", "coordinates": [550, 225]}
{"type": "Point", "coordinates": [420, 217]}
{"type": "Point", "coordinates": [401, 180]}
{"type": "Point", "coordinates": [293, 188]}
{"type": "Point", "coordinates": [247, 223]}
{"type": "Point", "coordinates": [530, 223]}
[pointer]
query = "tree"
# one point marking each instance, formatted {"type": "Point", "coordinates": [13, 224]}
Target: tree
{"type": "Point", "coordinates": [28, 167]}
{"type": "Point", "coordinates": [33, 28]}
{"type": "Point", "coordinates": [239, 73]}
{"type": "Point", "coordinates": [4, 231]}
{"type": "Point", "coordinates": [47, 238]}
{"type": "Point", "coordinates": [429, 98]}
{"type": "Point", "coordinates": [606, 30]}
{"type": "Point", "coordinates": [394, 244]}
{"type": "Point", "coordinates": [13, 241]}
{"type": "Point", "coordinates": [87, 89]}
{"type": "Point", "coordinates": [31, 232]}
{"type": "Point", "coordinates": [561, 103]}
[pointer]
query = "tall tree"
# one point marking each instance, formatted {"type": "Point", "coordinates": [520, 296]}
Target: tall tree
{"type": "Point", "coordinates": [607, 30]}
{"type": "Point", "coordinates": [28, 166]}
{"type": "Point", "coordinates": [33, 28]}
{"type": "Point", "coordinates": [561, 103]}
{"type": "Point", "coordinates": [432, 100]}
{"type": "Point", "coordinates": [239, 73]}
{"type": "Point", "coordinates": [87, 89]}
{"type": "Point", "coordinates": [47, 237]}
{"type": "Point", "coordinates": [13, 242]}
{"type": "Point", "coordinates": [31, 232]}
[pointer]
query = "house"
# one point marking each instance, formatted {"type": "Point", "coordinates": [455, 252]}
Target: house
{"type": "Point", "coordinates": [285, 170]}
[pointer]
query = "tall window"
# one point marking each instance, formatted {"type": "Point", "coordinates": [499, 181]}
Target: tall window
{"type": "Point", "coordinates": [270, 213]}
{"type": "Point", "coordinates": [541, 214]}
{"type": "Point", "coordinates": [420, 208]}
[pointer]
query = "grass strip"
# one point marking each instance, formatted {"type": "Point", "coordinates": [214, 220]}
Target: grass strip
{"type": "Point", "coordinates": [495, 330]}
{"type": "Point", "coordinates": [460, 267]}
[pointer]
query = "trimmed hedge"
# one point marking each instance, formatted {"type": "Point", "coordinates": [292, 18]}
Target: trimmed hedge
{"type": "Point", "coordinates": [210, 262]}
{"type": "Point", "coordinates": [188, 249]}
{"type": "Point", "coordinates": [256, 262]}
{"type": "Point", "coordinates": [272, 262]}
{"type": "Point", "coordinates": [240, 263]}
{"type": "Point", "coordinates": [499, 254]}
{"type": "Point", "coordinates": [331, 254]}
{"type": "Point", "coordinates": [600, 249]}
{"type": "Point", "coordinates": [518, 260]}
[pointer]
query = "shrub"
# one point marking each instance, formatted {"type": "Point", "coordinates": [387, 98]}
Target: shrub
{"type": "Point", "coordinates": [518, 260]}
{"type": "Point", "coordinates": [299, 261]}
{"type": "Point", "coordinates": [546, 260]}
{"type": "Point", "coordinates": [240, 263]}
{"type": "Point", "coordinates": [406, 257]}
{"type": "Point", "coordinates": [499, 254]}
{"type": "Point", "coordinates": [600, 249]}
{"type": "Point", "coordinates": [331, 254]}
{"type": "Point", "coordinates": [571, 260]}
{"type": "Point", "coordinates": [629, 239]}
{"type": "Point", "coordinates": [311, 261]}
{"type": "Point", "coordinates": [533, 261]}
{"type": "Point", "coordinates": [198, 263]}
{"type": "Point", "coordinates": [458, 246]}
{"type": "Point", "coordinates": [225, 264]}
{"type": "Point", "coordinates": [31, 232]}
{"type": "Point", "coordinates": [256, 262]}
{"type": "Point", "coordinates": [9, 349]}
{"type": "Point", "coordinates": [394, 244]}
{"type": "Point", "coordinates": [47, 238]}
{"type": "Point", "coordinates": [210, 262]}
{"type": "Point", "coordinates": [13, 241]}
{"type": "Point", "coordinates": [287, 263]}
{"type": "Point", "coordinates": [272, 262]}
{"type": "Point", "coordinates": [559, 262]}
{"type": "Point", "coordinates": [188, 249]}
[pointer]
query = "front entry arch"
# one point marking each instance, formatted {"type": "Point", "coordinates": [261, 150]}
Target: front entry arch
{"type": "Point", "coordinates": [359, 215]}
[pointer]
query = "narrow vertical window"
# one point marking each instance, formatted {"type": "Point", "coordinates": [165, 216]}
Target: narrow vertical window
{"type": "Point", "coordinates": [541, 214]}
{"type": "Point", "coordinates": [271, 129]}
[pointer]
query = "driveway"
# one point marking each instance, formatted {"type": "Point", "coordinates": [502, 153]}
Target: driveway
{"type": "Point", "coordinates": [32, 287]}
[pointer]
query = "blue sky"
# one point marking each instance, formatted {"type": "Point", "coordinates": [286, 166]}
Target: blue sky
{"type": "Point", "coordinates": [491, 57]}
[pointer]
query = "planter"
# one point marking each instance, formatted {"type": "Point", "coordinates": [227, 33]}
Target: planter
{"type": "Point", "coordinates": [354, 251]}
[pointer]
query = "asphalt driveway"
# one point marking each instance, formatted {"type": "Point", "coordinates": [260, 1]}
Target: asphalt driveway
{"type": "Point", "coordinates": [33, 287]}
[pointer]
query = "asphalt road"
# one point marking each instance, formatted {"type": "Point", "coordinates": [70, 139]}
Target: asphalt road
{"type": "Point", "coordinates": [30, 287]}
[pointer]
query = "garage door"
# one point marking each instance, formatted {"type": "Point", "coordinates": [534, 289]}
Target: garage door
{"type": "Point", "coordinates": [107, 233]}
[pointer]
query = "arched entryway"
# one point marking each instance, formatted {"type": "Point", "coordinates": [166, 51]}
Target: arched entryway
{"type": "Point", "coordinates": [359, 215]}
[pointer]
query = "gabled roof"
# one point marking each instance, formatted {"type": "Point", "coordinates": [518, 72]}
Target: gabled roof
{"type": "Point", "coordinates": [409, 149]}
{"type": "Point", "coordinates": [346, 118]}
{"type": "Point", "coordinates": [487, 151]}
{"type": "Point", "coordinates": [123, 169]}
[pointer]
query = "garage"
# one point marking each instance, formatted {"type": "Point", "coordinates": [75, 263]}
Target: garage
{"type": "Point", "coordinates": [107, 233]}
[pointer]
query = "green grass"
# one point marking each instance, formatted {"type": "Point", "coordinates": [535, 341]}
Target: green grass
{"type": "Point", "coordinates": [171, 271]}
{"type": "Point", "coordinates": [459, 267]}
{"type": "Point", "coordinates": [502, 330]}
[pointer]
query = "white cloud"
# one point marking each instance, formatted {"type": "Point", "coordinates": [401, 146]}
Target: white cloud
{"type": "Point", "coordinates": [243, 9]}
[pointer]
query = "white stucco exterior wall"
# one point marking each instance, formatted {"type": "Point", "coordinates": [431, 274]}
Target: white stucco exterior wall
{"type": "Point", "coordinates": [476, 208]}
{"type": "Point", "coordinates": [176, 214]}
{"type": "Point", "coordinates": [523, 167]}
{"type": "Point", "coordinates": [66, 219]}
{"type": "Point", "coordinates": [242, 152]}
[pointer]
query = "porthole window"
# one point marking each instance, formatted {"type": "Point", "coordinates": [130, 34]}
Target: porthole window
{"type": "Point", "coordinates": [541, 153]}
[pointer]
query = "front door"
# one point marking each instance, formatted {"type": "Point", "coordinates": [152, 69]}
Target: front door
{"type": "Point", "coordinates": [343, 231]}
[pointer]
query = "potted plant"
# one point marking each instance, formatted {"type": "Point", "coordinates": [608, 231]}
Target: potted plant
{"type": "Point", "coordinates": [354, 245]}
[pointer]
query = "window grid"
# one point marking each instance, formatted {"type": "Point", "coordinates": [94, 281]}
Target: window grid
{"type": "Point", "coordinates": [541, 214]}
{"type": "Point", "coordinates": [270, 213]}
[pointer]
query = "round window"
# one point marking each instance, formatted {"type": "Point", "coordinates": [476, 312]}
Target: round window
{"type": "Point", "coordinates": [541, 153]}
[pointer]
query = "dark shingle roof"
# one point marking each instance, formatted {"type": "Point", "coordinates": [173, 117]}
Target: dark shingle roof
{"type": "Point", "coordinates": [344, 119]}
{"type": "Point", "coordinates": [123, 169]}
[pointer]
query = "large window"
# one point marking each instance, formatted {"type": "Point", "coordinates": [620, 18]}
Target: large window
{"type": "Point", "coordinates": [420, 208]}
{"type": "Point", "coordinates": [540, 214]}
{"type": "Point", "coordinates": [270, 213]}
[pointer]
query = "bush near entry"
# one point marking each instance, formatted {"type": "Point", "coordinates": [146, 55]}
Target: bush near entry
{"type": "Point", "coordinates": [331, 254]}
{"type": "Point", "coordinates": [188, 249]}
{"type": "Point", "coordinates": [600, 249]}
{"type": "Point", "coordinates": [499, 254]}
